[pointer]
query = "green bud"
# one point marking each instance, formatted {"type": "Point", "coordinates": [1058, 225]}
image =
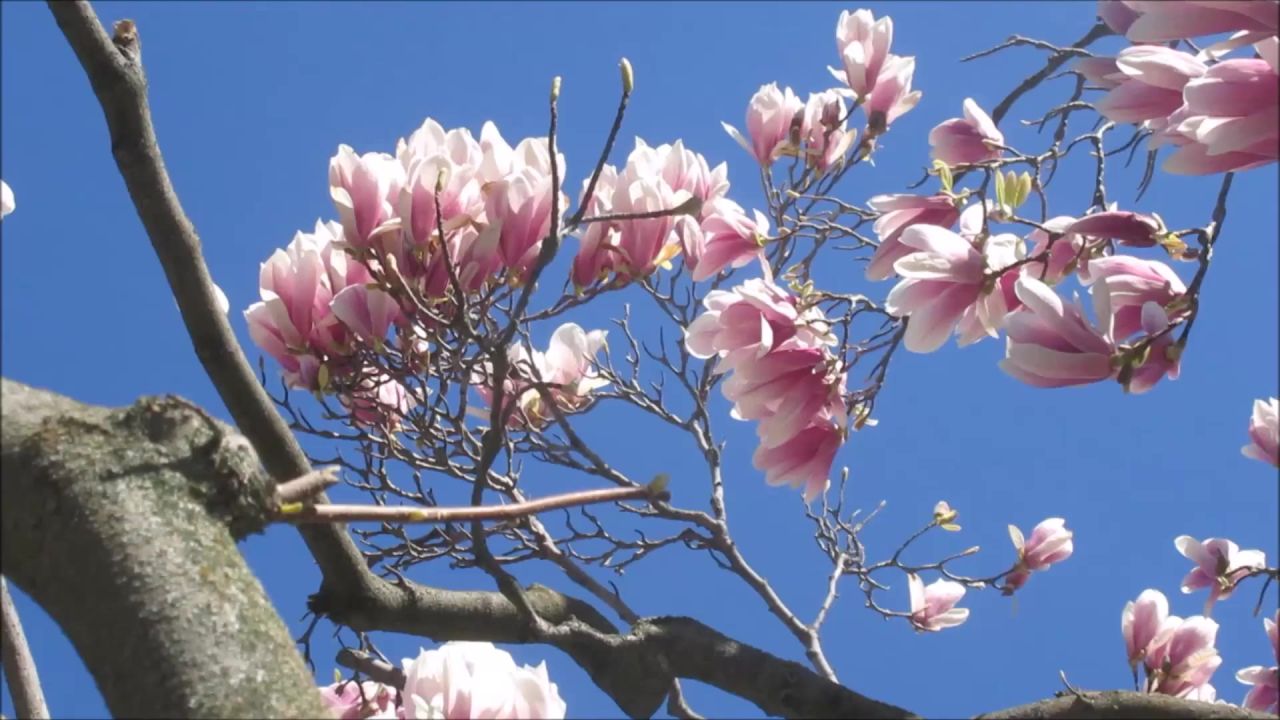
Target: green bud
{"type": "Point", "coordinates": [1024, 189]}
{"type": "Point", "coordinates": [943, 171]}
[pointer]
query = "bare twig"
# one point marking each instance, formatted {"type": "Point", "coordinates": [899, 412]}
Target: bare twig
{"type": "Point", "coordinates": [308, 485]}
{"type": "Point", "coordinates": [438, 515]}
{"type": "Point", "coordinates": [19, 666]}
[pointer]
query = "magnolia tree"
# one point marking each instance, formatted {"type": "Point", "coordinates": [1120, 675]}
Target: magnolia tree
{"type": "Point", "coordinates": [402, 328]}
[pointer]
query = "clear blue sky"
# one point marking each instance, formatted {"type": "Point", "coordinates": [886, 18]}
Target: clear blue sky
{"type": "Point", "coordinates": [250, 101]}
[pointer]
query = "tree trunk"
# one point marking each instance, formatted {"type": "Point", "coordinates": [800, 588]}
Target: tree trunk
{"type": "Point", "coordinates": [122, 525]}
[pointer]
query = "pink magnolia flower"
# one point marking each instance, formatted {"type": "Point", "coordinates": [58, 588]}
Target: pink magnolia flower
{"type": "Point", "coordinates": [1101, 71]}
{"type": "Point", "coordinates": [862, 42]}
{"type": "Point", "coordinates": [636, 247]}
{"type": "Point", "coordinates": [516, 186]}
{"type": "Point", "coordinates": [950, 283]}
{"type": "Point", "coordinates": [567, 369]}
{"type": "Point", "coordinates": [897, 213]}
{"type": "Point", "coordinates": [598, 241]}
{"type": "Point", "coordinates": [477, 680]}
{"type": "Point", "coordinates": [684, 169]}
{"type": "Point", "coordinates": [1156, 76]}
{"type": "Point", "coordinates": [359, 701]}
{"type": "Point", "coordinates": [1133, 282]}
{"type": "Point", "coordinates": [745, 323]}
{"type": "Point", "coordinates": [771, 116]}
{"type": "Point", "coordinates": [379, 401]}
{"type": "Point", "coordinates": [365, 190]}
{"type": "Point", "coordinates": [1066, 254]}
{"type": "Point", "coordinates": [970, 139]}
{"type": "Point", "coordinates": [444, 169]}
{"type": "Point", "coordinates": [1160, 21]}
{"type": "Point", "coordinates": [1230, 119]}
{"type": "Point", "coordinates": [1116, 14]}
{"type": "Point", "coordinates": [1220, 564]}
{"type": "Point", "coordinates": [518, 209]}
{"type": "Point", "coordinates": [1052, 344]}
{"type": "Point", "coordinates": [1264, 432]}
{"type": "Point", "coordinates": [804, 459]}
{"type": "Point", "coordinates": [728, 238]}
{"type": "Point", "coordinates": [432, 142]}
{"type": "Point", "coordinates": [783, 389]}
{"type": "Point", "coordinates": [892, 96]}
{"type": "Point", "coordinates": [1182, 656]}
{"type": "Point", "coordinates": [1204, 693]}
{"type": "Point", "coordinates": [933, 607]}
{"type": "Point", "coordinates": [369, 312]}
{"type": "Point", "coordinates": [7, 203]}
{"type": "Point", "coordinates": [822, 131]}
{"type": "Point", "coordinates": [500, 160]}
{"type": "Point", "coordinates": [294, 322]}
{"type": "Point", "coordinates": [1050, 543]}
{"type": "Point", "coordinates": [1162, 359]}
{"type": "Point", "coordinates": [1269, 50]}
{"type": "Point", "coordinates": [1140, 623]}
{"type": "Point", "coordinates": [1265, 693]}
{"type": "Point", "coordinates": [1127, 228]}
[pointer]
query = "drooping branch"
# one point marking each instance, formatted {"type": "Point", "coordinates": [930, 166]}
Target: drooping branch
{"type": "Point", "coordinates": [121, 524]}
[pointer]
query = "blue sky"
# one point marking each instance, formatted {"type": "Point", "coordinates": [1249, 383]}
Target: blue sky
{"type": "Point", "coordinates": [250, 101]}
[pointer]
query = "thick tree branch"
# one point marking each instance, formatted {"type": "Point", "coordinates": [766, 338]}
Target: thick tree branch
{"type": "Point", "coordinates": [1123, 705]}
{"type": "Point", "coordinates": [120, 524]}
{"type": "Point", "coordinates": [114, 68]}
{"type": "Point", "coordinates": [635, 668]}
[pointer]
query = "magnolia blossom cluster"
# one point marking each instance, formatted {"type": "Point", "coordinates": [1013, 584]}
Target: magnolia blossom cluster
{"type": "Point", "coordinates": [1178, 656]}
{"type": "Point", "coordinates": [565, 373]}
{"type": "Point", "coordinates": [319, 306]}
{"type": "Point", "coordinates": [446, 209]}
{"type": "Point", "coordinates": [974, 283]}
{"type": "Point", "coordinates": [457, 681]}
{"type": "Point", "coordinates": [876, 78]}
{"type": "Point", "coordinates": [713, 232]}
{"type": "Point", "coordinates": [782, 375]}
{"type": "Point", "coordinates": [1220, 114]}
{"type": "Point", "coordinates": [780, 124]}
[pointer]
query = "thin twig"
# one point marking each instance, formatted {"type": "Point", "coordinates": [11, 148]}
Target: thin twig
{"type": "Point", "coordinates": [307, 486]}
{"type": "Point", "coordinates": [386, 513]}
{"type": "Point", "coordinates": [19, 666]}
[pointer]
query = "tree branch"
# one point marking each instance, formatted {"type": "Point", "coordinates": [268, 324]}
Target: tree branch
{"type": "Point", "coordinates": [114, 69]}
{"type": "Point", "coordinates": [121, 524]}
{"type": "Point", "coordinates": [1122, 705]}
{"type": "Point", "coordinates": [635, 669]}
{"type": "Point", "coordinates": [19, 666]}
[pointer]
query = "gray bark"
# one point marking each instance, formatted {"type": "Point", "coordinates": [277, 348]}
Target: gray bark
{"type": "Point", "coordinates": [1122, 705]}
{"type": "Point", "coordinates": [121, 524]}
